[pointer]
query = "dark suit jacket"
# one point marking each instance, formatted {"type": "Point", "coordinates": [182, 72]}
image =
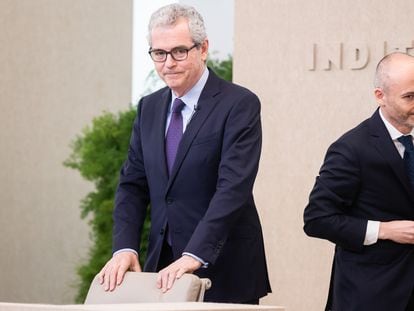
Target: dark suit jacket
{"type": "Point", "coordinates": [207, 201]}
{"type": "Point", "coordinates": [363, 178]}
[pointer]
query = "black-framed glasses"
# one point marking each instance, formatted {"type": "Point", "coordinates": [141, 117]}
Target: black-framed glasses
{"type": "Point", "coordinates": [178, 53]}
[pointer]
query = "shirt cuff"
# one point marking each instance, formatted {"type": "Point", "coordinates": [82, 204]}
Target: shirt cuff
{"type": "Point", "coordinates": [371, 236]}
{"type": "Point", "coordinates": [203, 263]}
{"type": "Point", "coordinates": [125, 250]}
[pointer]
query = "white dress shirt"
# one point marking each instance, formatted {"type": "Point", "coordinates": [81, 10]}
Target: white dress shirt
{"type": "Point", "coordinates": [190, 100]}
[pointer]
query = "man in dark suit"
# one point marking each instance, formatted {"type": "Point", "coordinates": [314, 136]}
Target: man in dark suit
{"type": "Point", "coordinates": [363, 200]}
{"type": "Point", "coordinates": [193, 157]}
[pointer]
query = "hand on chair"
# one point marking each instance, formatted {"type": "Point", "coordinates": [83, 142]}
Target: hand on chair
{"type": "Point", "coordinates": [114, 270]}
{"type": "Point", "coordinates": [168, 275]}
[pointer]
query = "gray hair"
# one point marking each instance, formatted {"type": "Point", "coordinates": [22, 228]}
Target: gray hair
{"type": "Point", "coordinates": [168, 15]}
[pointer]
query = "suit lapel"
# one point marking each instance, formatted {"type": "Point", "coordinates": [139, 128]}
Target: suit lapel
{"type": "Point", "coordinates": [160, 122]}
{"type": "Point", "coordinates": [385, 146]}
{"type": "Point", "coordinates": [206, 105]}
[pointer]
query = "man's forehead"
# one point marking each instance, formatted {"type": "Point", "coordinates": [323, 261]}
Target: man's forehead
{"type": "Point", "coordinates": [161, 39]}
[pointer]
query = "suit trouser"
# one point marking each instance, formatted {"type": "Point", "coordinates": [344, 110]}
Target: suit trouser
{"type": "Point", "coordinates": [166, 256]}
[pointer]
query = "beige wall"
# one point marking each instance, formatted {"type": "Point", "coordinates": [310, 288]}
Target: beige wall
{"type": "Point", "coordinates": [62, 62]}
{"type": "Point", "coordinates": [305, 110]}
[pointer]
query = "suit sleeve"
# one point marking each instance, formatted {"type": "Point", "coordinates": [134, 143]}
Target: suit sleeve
{"type": "Point", "coordinates": [328, 214]}
{"type": "Point", "coordinates": [241, 147]}
{"type": "Point", "coordinates": [132, 195]}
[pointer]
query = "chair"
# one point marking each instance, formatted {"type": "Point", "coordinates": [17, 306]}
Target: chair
{"type": "Point", "coordinates": [141, 287]}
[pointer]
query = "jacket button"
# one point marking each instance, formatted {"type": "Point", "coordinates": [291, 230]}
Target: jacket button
{"type": "Point", "coordinates": [169, 201]}
{"type": "Point", "coordinates": [162, 231]}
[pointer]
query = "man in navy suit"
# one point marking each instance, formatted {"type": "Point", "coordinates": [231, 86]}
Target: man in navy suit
{"type": "Point", "coordinates": [363, 200]}
{"type": "Point", "coordinates": [203, 215]}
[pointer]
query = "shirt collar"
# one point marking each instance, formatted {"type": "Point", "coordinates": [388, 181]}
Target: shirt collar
{"type": "Point", "coordinates": [191, 97]}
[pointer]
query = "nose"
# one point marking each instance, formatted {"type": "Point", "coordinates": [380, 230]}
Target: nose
{"type": "Point", "coordinates": [170, 61]}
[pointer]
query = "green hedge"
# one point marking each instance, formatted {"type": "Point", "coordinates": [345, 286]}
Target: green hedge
{"type": "Point", "coordinates": [98, 155]}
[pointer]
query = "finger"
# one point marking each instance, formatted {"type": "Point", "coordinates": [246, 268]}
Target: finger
{"type": "Point", "coordinates": [112, 279]}
{"type": "Point", "coordinates": [101, 275]}
{"type": "Point", "coordinates": [171, 279]}
{"type": "Point", "coordinates": [120, 274]}
{"type": "Point", "coordinates": [165, 277]}
{"type": "Point", "coordinates": [136, 267]}
{"type": "Point", "coordinates": [180, 273]}
{"type": "Point", "coordinates": [159, 279]}
{"type": "Point", "coordinates": [106, 279]}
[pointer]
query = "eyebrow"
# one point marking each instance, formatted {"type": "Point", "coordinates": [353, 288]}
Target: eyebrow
{"type": "Point", "coordinates": [176, 47]}
{"type": "Point", "coordinates": [410, 93]}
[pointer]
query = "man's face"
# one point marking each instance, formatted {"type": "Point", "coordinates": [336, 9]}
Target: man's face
{"type": "Point", "coordinates": [397, 98]}
{"type": "Point", "coordinates": [182, 75]}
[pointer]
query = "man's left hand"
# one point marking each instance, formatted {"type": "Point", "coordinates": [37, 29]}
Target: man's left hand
{"type": "Point", "coordinates": [168, 275]}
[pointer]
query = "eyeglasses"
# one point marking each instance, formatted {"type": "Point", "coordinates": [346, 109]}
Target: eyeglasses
{"type": "Point", "coordinates": [178, 53]}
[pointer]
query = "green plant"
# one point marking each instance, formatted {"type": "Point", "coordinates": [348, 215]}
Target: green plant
{"type": "Point", "coordinates": [223, 68]}
{"type": "Point", "coordinates": [98, 154]}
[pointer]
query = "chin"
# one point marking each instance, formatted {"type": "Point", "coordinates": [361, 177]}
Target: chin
{"type": "Point", "coordinates": [172, 82]}
{"type": "Point", "coordinates": [174, 86]}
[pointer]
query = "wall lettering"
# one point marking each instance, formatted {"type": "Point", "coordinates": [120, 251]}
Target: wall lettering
{"type": "Point", "coordinates": [349, 56]}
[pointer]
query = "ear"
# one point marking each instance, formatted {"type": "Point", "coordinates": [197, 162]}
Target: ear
{"type": "Point", "coordinates": [204, 50]}
{"type": "Point", "coordinates": [379, 96]}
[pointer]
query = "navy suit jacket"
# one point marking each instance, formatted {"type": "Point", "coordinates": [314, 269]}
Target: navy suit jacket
{"type": "Point", "coordinates": [363, 178]}
{"type": "Point", "coordinates": [207, 201]}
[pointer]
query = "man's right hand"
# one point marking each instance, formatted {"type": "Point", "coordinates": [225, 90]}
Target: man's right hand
{"type": "Point", "coordinates": [114, 270]}
{"type": "Point", "coordinates": [400, 231]}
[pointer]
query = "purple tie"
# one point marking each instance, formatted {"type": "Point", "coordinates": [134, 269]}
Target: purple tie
{"type": "Point", "coordinates": [174, 133]}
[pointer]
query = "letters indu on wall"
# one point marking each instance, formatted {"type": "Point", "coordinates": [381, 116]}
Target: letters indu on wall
{"type": "Point", "coordinates": [350, 56]}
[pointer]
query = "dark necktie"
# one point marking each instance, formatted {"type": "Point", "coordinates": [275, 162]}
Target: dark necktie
{"type": "Point", "coordinates": [407, 141]}
{"type": "Point", "coordinates": [174, 133]}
